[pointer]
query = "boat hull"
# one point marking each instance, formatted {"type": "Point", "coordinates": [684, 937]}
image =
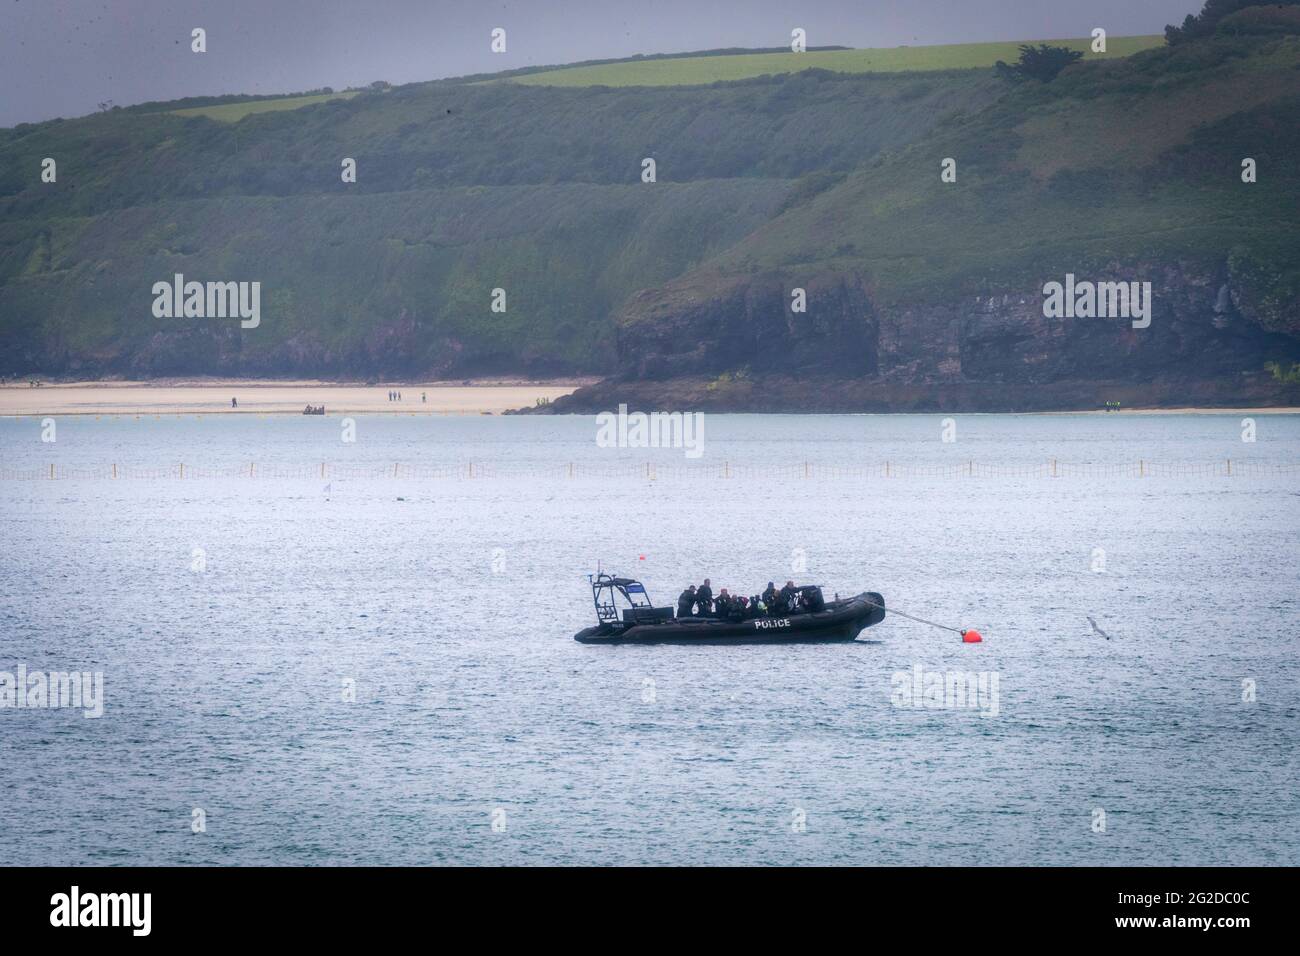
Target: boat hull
{"type": "Point", "coordinates": [840, 621]}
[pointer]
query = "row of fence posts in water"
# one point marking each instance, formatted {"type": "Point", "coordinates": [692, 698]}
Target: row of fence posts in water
{"type": "Point", "coordinates": [810, 470]}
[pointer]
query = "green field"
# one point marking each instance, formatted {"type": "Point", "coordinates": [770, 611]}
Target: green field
{"type": "Point", "coordinates": [234, 112]}
{"type": "Point", "coordinates": [687, 71]}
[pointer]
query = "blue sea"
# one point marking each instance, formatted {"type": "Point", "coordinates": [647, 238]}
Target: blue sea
{"type": "Point", "coordinates": [326, 652]}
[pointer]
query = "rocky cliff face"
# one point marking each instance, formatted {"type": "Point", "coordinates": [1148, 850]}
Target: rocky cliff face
{"type": "Point", "coordinates": [690, 330]}
{"type": "Point", "coordinates": [736, 344]}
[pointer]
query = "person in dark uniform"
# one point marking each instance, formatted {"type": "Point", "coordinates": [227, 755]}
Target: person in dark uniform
{"type": "Point", "coordinates": [704, 599]}
{"type": "Point", "coordinates": [686, 601]}
{"type": "Point", "coordinates": [769, 597]}
{"type": "Point", "coordinates": [723, 606]}
{"type": "Point", "coordinates": [786, 599]}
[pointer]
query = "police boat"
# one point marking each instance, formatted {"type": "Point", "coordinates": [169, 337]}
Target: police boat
{"type": "Point", "coordinates": [626, 615]}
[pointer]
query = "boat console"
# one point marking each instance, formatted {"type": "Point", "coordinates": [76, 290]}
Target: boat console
{"type": "Point", "coordinates": [635, 607]}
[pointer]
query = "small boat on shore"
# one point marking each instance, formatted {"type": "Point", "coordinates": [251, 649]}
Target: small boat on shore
{"type": "Point", "coordinates": [626, 615]}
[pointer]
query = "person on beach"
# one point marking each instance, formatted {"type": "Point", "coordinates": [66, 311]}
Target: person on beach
{"type": "Point", "coordinates": [233, 402]}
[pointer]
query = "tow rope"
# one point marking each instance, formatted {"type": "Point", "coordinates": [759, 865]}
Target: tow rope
{"type": "Point", "coordinates": [968, 636]}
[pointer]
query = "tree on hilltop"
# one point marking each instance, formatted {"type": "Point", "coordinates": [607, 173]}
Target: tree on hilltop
{"type": "Point", "coordinates": [1040, 63]}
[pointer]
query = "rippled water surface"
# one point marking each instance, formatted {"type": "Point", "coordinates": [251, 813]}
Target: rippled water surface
{"type": "Point", "coordinates": [451, 602]}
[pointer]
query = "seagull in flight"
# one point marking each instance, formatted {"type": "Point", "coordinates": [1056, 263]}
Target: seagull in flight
{"type": "Point", "coordinates": [1097, 629]}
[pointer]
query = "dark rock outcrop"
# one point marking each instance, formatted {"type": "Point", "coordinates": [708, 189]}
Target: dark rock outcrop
{"type": "Point", "coordinates": [736, 344]}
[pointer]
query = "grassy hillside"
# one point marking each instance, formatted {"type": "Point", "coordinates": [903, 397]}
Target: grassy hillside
{"type": "Point", "coordinates": [535, 190]}
{"type": "Point", "coordinates": [680, 71]}
{"type": "Point", "coordinates": [399, 282]}
{"type": "Point", "coordinates": [447, 134]}
{"type": "Point", "coordinates": [234, 112]}
{"type": "Point", "coordinates": [465, 186]}
{"type": "Point", "coordinates": [1134, 160]}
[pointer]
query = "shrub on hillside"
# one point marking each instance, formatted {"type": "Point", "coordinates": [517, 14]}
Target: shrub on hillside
{"type": "Point", "coordinates": [1266, 21]}
{"type": "Point", "coordinates": [1212, 14]}
{"type": "Point", "coordinates": [1041, 63]}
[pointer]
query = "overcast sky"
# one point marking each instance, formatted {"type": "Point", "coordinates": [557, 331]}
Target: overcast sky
{"type": "Point", "coordinates": [63, 57]}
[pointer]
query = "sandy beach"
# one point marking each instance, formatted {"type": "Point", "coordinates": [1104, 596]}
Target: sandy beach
{"type": "Point", "coordinates": [1272, 410]}
{"type": "Point", "coordinates": [209, 397]}
{"type": "Point", "coordinates": [263, 397]}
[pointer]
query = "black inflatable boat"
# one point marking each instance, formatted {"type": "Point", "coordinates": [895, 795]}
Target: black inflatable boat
{"type": "Point", "coordinates": [635, 619]}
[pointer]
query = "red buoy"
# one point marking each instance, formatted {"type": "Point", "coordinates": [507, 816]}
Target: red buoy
{"type": "Point", "coordinates": [971, 637]}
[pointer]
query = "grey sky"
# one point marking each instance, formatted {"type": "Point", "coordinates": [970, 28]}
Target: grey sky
{"type": "Point", "coordinates": [62, 57]}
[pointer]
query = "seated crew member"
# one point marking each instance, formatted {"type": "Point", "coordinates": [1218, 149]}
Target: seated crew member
{"type": "Point", "coordinates": [769, 596]}
{"type": "Point", "coordinates": [722, 607]}
{"type": "Point", "coordinates": [787, 597]}
{"type": "Point", "coordinates": [686, 601]}
{"type": "Point", "coordinates": [704, 599]}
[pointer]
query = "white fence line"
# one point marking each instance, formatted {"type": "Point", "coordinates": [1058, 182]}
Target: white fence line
{"type": "Point", "coordinates": [657, 471]}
